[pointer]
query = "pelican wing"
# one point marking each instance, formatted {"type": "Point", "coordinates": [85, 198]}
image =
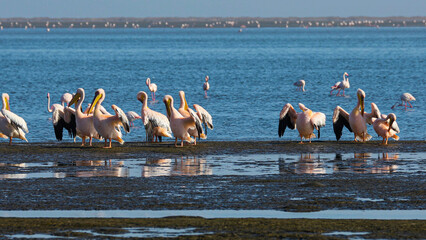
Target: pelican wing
{"type": "Point", "coordinates": [64, 119]}
{"type": "Point", "coordinates": [340, 119]}
{"type": "Point", "coordinates": [121, 116]}
{"type": "Point", "coordinates": [70, 122]}
{"type": "Point", "coordinates": [204, 116]}
{"type": "Point", "coordinates": [158, 120]}
{"type": "Point", "coordinates": [198, 122]}
{"type": "Point", "coordinates": [288, 118]}
{"type": "Point", "coordinates": [16, 121]}
{"type": "Point", "coordinates": [318, 121]}
{"type": "Point", "coordinates": [375, 113]}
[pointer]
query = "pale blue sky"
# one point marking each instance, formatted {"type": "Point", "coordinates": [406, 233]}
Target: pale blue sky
{"type": "Point", "coordinates": [210, 8]}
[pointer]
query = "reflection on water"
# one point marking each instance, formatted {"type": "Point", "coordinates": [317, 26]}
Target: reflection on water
{"type": "Point", "coordinates": [252, 164]}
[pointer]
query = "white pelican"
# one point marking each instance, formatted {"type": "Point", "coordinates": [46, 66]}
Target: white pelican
{"type": "Point", "coordinates": [178, 123]}
{"type": "Point", "coordinates": [354, 122]}
{"type": "Point", "coordinates": [11, 125]}
{"type": "Point", "coordinates": [341, 85]}
{"type": "Point", "coordinates": [62, 117]}
{"type": "Point", "coordinates": [108, 126]}
{"type": "Point", "coordinates": [197, 131]}
{"type": "Point", "coordinates": [386, 127]}
{"type": "Point", "coordinates": [300, 85]}
{"type": "Point", "coordinates": [305, 122]}
{"type": "Point", "coordinates": [204, 116]}
{"type": "Point", "coordinates": [132, 116]}
{"type": "Point", "coordinates": [156, 124]}
{"type": "Point", "coordinates": [84, 121]}
{"type": "Point", "coordinates": [206, 86]}
{"type": "Point", "coordinates": [152, 88]}
{"type": "Point", "coordinates": [405, 98]}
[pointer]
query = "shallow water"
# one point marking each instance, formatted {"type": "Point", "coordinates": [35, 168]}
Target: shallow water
{"type": "Point", "coordinates": [251, 73]}
{"type": "Point", "coordinates": [327, 214]}
{"type": "Point", "coordinates": [222, 165]}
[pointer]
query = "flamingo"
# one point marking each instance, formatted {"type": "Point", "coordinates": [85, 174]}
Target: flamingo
{"type": "Point", "coordinates": [305, 122]}
{"type": "Point", "coordinates": [132, 116]}
{"type": "Point", "coordinates": [84, 120]}
{"type": "Point", "coordinates": [355, 121]}
{"type": "Point", "coordinates": [188, 112]}
{"type": "Point", "coordinates": [108, 126]}
{"type": "Point", "coordinates": [11, 125]}
{"type": "Point", "coordinates": [341, 85]}
{"type": "Point", "coordinates": [156, 124]}
{"type": "Point", "coordinates": [206, 86]}
{"type": "Point", "coordinates": [152, 88]}
{"type": "Point", "coordinates": [405, 98]}
{"type": "Point", "coordinates": [300, 85]}
{"type": "Point", "coordinates": [178, 123]}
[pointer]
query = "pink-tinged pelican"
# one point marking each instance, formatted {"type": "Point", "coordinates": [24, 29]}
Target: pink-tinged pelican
{"type": "Point", "coordinates": [152, 88]}
{"type": "Point", "coordinates": [156, 124]}
{"type": "Point", "coordinates": [84, 121]}
{"type": "Point", "coordinates": [341, 85]}
{"type": "Point", "coordinates": [197, 131]}
{"type": "Point", "coordinates": [11, 125]}
{"type": "Point", "coordinates": [204, 116]}
{"type": "Point", "coordinates": [405, 98]}
{"type": "Point", "coordinates": [108, 126]}
{"type": "Point", "coordinates": [305, 122]}
{"type": "Point", "coordinates": [354, 122]}
{"type": "Point", "coordinates": [132, 116]}
{"type": "Point", "coordinates": [386, 127]}
{"type": "Point", "coordinates": [62, 117]}
{"type": "Point", "coordinates": [178, 123]}
{"type": "Point", "coordinates": [300, 85]}
{"type": "Point", "coordinates": [206, 86]}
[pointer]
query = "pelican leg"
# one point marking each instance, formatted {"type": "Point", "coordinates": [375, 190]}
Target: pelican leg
{"type": "Point", "coordinates": [386, 141]}
{"type": "Point", "coordinates": [195, 141]}
{"type": "Point", "coordinates": [301, 140]}
{"type": "Point", "coordinates": [363, 137]}
{"type": "Point", "coordinates": [10, 141]}
{"type": "Point", "coordinates": [355, 138]}
{"type": "Point", "coordinates": [181, 142]}
{"type": "Point", "coordinates": [106, 142]}
{"type": "Point", "coordinates": [110, 141]}
{"type": "Point", "coordinates": [383, 141]}
{"type": "Point", "coordinates": [90, 141]}
{"type": "Point", "coordinates": [309, 139]}
{"type": "Point", "coordinates": [175, 141]}
{"type": "Point", "coordinates": [83, 141]}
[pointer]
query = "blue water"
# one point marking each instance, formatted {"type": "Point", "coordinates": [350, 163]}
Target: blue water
{"type": "Point", "coordinates": [251, 73]}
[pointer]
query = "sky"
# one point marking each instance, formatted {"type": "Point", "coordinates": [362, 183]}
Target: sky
{"type": "Point", "coordinates": [210, 8]}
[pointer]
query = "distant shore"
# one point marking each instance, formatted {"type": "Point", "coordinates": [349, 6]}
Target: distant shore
{"type": "Point", "coordinates": [229, 22]}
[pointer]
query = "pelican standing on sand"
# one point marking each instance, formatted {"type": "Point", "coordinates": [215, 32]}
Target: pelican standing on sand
{"type": "Point", "coordinates": [206, 86]}
{"type": "Point", "coordinates": [300, 85]}
{"type": "Point", "coordinates": [405, 98]}
{"type": "Point", "coordinates": [178, 123]}
{"type": "Point", "coordinates": [152, 88]}
{"type": "Point", "coordinates": [11, 125]}
{"type": "Point", "coordinates": [386, 127]}
{"type": "Point", "coordinates": [354, 122]}
{"type": "Point", "coordinates": [305, 122]}
{"type": "Point", "coordinates": [62, 116]}
{"type": "Point", "coordinates": [84, 120]}
{"type": "Point", "coordinates": [156, 124]}
{"type": "Point", "coordinates": [187, 112]}
{"type": "Point", "coordinates": [108, 126]}
{"type": "Point", "coordinates": [341, 85]}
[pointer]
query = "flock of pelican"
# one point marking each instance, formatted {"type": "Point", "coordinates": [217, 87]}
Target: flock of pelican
{"type": "Point", "coordinates": [187, 124]}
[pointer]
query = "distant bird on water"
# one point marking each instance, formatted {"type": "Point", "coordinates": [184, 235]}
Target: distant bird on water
{"type": "Point", "coordinates": [405, 98]}
{"type": "Point", "coordinates": [132, 116]}
{"type": "Point", "coordinates": [300, 85]}
{"type": "Point", "coordinates": [206, 86]}
{"type": "Point", "coordinates": [341, 85]}
{"type": "Point", "coordinates": [152, 88]}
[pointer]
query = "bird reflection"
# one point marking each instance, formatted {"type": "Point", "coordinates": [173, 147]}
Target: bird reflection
{"type": "Point", "coordinates": [364, 163]}
{"type": "Point", "coordinates": [184, 166]}
{"type": "Point", "coordinates": [107, 169]}
{"type": "Point", "coordinates": [307, 164]}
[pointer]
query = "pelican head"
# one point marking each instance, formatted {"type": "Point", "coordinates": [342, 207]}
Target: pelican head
{"type": "Point", "coordinates": [361, 96]}
{"type": "Point", "coordinates": [99, 97]}
{"type": "Point", "coordinates": [142, 96]}
{"type": "Point", "coordinates": [5, 99]}
{"type": "Point", "coordinates": [76, 97]}
{"type": "Point", "coordinates": [302, 107]}
{"type": "Point", "coordinates": [148, 81]}
{"type": "Point", "coordinates": [183, 99]}
{"type": "Point", "coordinates": [392, 118]}
{"type": "Point", "coordinates": [168, 101]}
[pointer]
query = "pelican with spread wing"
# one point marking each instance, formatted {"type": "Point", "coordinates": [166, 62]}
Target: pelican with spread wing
{"type": "Point", "coordinates": [62, 116]}
{"type": "Point", "coordinates": [305, 122]}
{"type": "Point", "coordinates": [355, 121]}
{"type": "Point", "coordinates": [11, 125]}
{"type": "Point", "coordinates": [156, 124]}
{"type": "Point", "coordinates": [108, 126]}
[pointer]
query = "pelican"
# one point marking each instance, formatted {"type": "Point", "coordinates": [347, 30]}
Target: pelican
{"type": "Point", "coordinates": [132, 116]}
{"type": "Point", "coordinates": [178, 123]}
{"type": "Point", "coordinates": [152, 88]}
{"type": "Point", "coordinates": [62, 117]}
{"type": "Point", "coordinates": [405, 98]}
{"type": "Point", "coordinates": [156, 124]}
{"type": "Point", "coordinates": [108, 126]}
{"type": "Point", "coordinates": [206, 86]}
{"type": "Point", "coordinates": [187, 112]}
{"type": "Point", "coordinates": [84, 121]}
{"type": "Point", "coordinates": [354, 122]}
{"type": "Point", "coordinates": [11, 125]}
{"type": "Point", "coordinates": [305, 122]}
{"type": "Point", "coordinates": [204, 116]}
{"type": "Point", "coordinates": [300, 85]}
{"type": "Point", "coordinates": [341, 85]}
{"type": "Point", "coordinates": [386, 127]}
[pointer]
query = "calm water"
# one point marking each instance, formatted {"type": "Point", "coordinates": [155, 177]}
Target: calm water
{"type": "Point", "coordinates": [251, 73]}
